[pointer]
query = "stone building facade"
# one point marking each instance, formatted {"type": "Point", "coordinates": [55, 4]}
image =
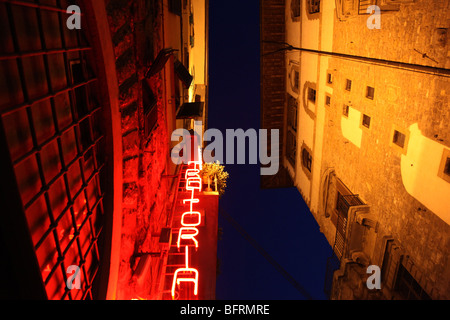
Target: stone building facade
{"type": "Point", "coordinates": [85, 133]}
{"type": "Point", "coordinates": [140, 31]}
{"type": "Point", "coordinates": [370, 143]}
{"type": "Point", "coordinates": [137, 35]}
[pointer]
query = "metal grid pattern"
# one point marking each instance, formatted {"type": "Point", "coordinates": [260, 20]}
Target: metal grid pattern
{"type": "Point", "coordinates": [50, 115]}
{"type": "Point", "coordinates": [343, 204]}
{"type": "Point", "coordinates": [408, 287]}
{"type": "Point", "coordinates": [340, 238]}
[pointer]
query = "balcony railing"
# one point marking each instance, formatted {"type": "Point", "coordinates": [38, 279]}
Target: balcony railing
{"type": "Point", "coordinates": [364, 4]}
{"type": "Point", "coordinates": [339, 242]}
{"type": "Point", "coordinates": [343, 205]}
{"type": "Point", "coordinates": [383, 5]}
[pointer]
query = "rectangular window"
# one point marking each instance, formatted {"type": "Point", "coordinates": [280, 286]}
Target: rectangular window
{"type": "Point", "coordinates": [312, 95]}
{"type": "Point", "coordinates": [328, 100]}
{"type": "Point", "coordinates": [408, 287]}
{"type": "Point", "coordinates": [329, 78]}
{"type": "Point", "coordinates": [306, 159]}
{"type": "Point", "coordinates": [291, 147]}
{"type": "Point", "coordinates": [366, 121]}
{"type": "Point", "coordinates": [345, 110]}
{"type": "Point", "coordinates": [399, 138]}
{"type": "Point", "coordinates": [444, 168]}
{"type": "Point", "coordinates": [314, 6]}
{"type": "Point", "coordinates": [348, 85]}
{"type": "Point", "coordinates": [296, 80]}
{"type": "Point", "coordinates": [447, 167]}
{"type": "Point", "coordinates": [292, 112]}
{"type": "Point", "coordinates": [370, 92]}
{"type": "Point", "coordinates": [389, 265]}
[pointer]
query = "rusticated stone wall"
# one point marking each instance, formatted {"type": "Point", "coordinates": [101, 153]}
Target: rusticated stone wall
{"type": "Point", "coordinates": [402, 98]}
{"type": "Point", "coordinates": [136, 31]}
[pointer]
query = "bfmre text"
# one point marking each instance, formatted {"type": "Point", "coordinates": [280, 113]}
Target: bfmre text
{"type": "Point", "coordinates": [246, 309]}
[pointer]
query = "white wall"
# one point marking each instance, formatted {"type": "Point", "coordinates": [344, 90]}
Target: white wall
{"type": "Point", "coordinates": [314, 34]}
{"type": "Point", "coordinates": [419, 168]}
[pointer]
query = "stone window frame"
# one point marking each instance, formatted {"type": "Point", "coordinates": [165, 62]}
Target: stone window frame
{"type": "Point", "coordinates": [292, 70]}
{"type": "Point", "coordinates": [347, 87]}
{"type": "Point", "coordinates": [371, 96]}
{"type": "Point", "coordinates": [405, 132]}
{"type": "Point", "coordinates": [406, 280]}
{"type": "Point", "coordinates": [307, 102]}
{"type": "Point", "coordinates": [328, 96]}
{"type": "Point", "coordinates": [345, 110]}
{"type": "Point", "coordinates": [390, 258]}
{"type": "Point", "coordinates": [444, 167]}
{"type": "Point", "coordinates": [394, 261]}
{"type": "Point", "coordinates": [330, 75]}
{"type": "Point", "coordinates": [361, 122]}
{"type": "Point", "coordinates": [396, 142]}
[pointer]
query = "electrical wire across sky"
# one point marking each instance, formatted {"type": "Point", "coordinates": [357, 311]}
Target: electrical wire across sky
{"type": "Point", "coordinates": [265, 254]}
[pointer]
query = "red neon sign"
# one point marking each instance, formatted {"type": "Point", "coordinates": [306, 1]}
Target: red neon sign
{"type": "Point", "coordinates": [185, 234]}
{"type": "Point", "coordinates": [189, 221]}
{"type": "Point", "coordinates": [185, 278]}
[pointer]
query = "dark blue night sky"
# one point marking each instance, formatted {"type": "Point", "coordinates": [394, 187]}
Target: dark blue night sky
{"type": "Point", "coordinates": [278, 219]}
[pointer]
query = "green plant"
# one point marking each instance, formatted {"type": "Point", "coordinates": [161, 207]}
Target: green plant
{"type": "Point", "coordinates": [216, 173]}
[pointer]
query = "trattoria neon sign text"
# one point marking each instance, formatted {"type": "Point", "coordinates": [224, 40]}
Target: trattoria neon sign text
{"type": "Point", "coordinates": [190, 220]}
